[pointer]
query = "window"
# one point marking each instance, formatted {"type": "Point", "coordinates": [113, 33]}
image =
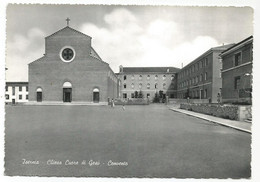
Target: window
{"type": "Point", "coordinates": [6, 96]}
{"type": "Point", "coordinates": [197, 79]}
{"type": "Point", "coordinates": [124, 85]}
{"type": "Point", "coordinates": [148, 77]}
{"type": "Point", "coordinates": [124, 95]}
{"type": "Point", "coordinates": [20, 88]}
{"type": "Point", "coordinates": [201, 94]}
{"type": "Point", "coordinates": [132, 86]}
{"type": "Point", "coordinates": [148, 95]}
{"type": "Point", "coordinates": [124, 77]}
{"type": "Point", "coordinates": [156, 77]}
{"type": "Point", "coordinates": [6, 88]}
{"type": "Point", "coordinates": [148, 86]}
{"type": "Point", "coordinates": [140, 85]}
{"type": "Point", "coordinates": [67, 54]}
{"type": "Point", "coordinates": [201, 77]}
{"type": "Point", "coordinates": [156, 85]}
{"type": "Point", "coordinates": [237, 82]}
{"type": "Point", "coordinates": [237, 59]}
{"type": "Point", "coordinates": [13, 90]}
{"type": "Point", "coordinates": [132, 95]}
{"type": "Point", "coordinates": [27, 89]}
{"type": "Point", "coordinates": [172, 77]}
{"type": "Point", "coordinates": [27, 97]}
{"type": "Point", "coordinates": [164, 77]}
{"type": "Point", "coordinates": [205, 93]}
{"type": "Point", "coordinates": [20, 97]}
{"type": "Point", "coordinates": [206, 76]}
{"type": "Point", "coordinates": [206, 61]}
{"type": "Point", "coordinates": [140, 77]}
{"type": "Point", "coordinates": [133, 77]}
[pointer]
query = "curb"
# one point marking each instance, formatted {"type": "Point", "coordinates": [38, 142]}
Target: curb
{"type": "Point", "coordinates": [223, 124]}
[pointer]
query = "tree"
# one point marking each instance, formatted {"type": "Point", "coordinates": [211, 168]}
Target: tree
{"type": "Point", "coordinates": [156, 97]}
{"type": "Point", "coordinates": [160, 94]}
{"type": "Point", "coordinates": [140, 94]}
{"type": "Point", "coordinates": [136, 94]}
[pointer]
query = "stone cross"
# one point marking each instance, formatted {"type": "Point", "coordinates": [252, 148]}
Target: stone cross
{"type": "Point", "coordinates": [68, 21]}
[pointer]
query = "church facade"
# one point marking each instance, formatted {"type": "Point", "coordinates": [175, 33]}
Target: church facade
{"type": "Point", "coordinates": [71, 71]}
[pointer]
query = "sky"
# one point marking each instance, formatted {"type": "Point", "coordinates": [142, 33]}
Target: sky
{"type": "Point", "coordinates": [125, 35]}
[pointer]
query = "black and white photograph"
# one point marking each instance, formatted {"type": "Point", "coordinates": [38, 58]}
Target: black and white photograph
{"type": "Point", "coordinates": [128, 91]}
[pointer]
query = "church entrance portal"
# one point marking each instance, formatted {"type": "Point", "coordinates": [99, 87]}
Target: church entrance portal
{"type": "Point", "coordinates": [96, 95]}
{"type": "Point", "coordinates": [39, 96]}
{"type": "Point", "coordinates": [67, 94]}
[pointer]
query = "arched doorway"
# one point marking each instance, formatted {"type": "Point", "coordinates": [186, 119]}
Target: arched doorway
{"type": "Point", "coordinates": [39, 94]}
{"type": "Point", "coordinates": [67, 92]}
{"type": "Point", "coordinates": [96, 95]}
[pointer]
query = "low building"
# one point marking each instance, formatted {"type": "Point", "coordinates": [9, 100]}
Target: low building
{"type": "Point", "coordinates": [16, 92]}
{"type": "Point", "coordinates": [237, 72]}
{"type": "Point", "coordinates": [201, 79]}
{"type": "Point", "coordinates": [148, 80]}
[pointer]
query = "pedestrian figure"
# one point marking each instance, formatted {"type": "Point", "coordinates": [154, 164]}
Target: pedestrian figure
{"type": "Point", "coordinates": [112, 103]}
{"type": "Point", "coordinates": [218, 98]}
{"type": "Point", "coordinates": [188, 100]}
{"type": "Point", "coordinates": [123, 107]}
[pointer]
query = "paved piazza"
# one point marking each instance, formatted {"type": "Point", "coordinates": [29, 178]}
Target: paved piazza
{"type": "Point", "coordinates": [140, 141]}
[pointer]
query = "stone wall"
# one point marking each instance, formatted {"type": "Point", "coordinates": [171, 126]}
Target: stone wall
{"type": "Point", "coordinates": [223, 111]}
{"type": "Point", "coordinates": [179, 101]}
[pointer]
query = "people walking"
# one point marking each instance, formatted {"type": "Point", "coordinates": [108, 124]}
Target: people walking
{"type": "Point", "coordinates": [112, 103]}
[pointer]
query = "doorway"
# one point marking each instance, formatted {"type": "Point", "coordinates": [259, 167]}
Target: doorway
{"type": "Point", "coordinates": [67, 94]}
{"type": "Point", "coordinates": [96, 95]}
{"type": "Point", "coordinates": [39, 95]}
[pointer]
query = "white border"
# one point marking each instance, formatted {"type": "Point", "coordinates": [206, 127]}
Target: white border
{"type": "Point", "coordinates": [238, 3]}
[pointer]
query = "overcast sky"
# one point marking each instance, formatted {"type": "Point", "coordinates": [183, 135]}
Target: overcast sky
{"type": "Point", "coordinates": [125, 35]}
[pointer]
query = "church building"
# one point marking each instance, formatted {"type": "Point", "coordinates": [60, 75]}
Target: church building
{"type": "Point", "coordinates": [71, 71]}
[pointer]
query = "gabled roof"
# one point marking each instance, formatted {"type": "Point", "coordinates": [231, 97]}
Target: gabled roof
{"type": "Point", "coordinates": [150, 70]}
{"type": "Point", "coordinates": [94, 54]}
{"type": "Point", "coordinates": [248, 39]}
{"type": "Point", "coordinates": [70, 29]}
{"type": "Point", "coordinates": [221, 48]}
